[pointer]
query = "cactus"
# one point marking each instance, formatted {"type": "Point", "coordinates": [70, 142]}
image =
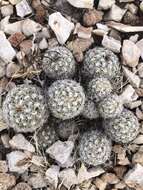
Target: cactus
{"type": "Point", "coordinates": [24, 108]}
{"type": "Point", "coordinates": [94, 148]}
{"type": "Point", "coordinates": [66, 99]}
{"type": "Point", "coordinates": [101, 62]}
{"type": "Point", "coordinates": [110, 107]}
{"type": "Point", "coordinates": [45, 137]}
{"type": "Point", "coordinates": [122, 129]}
{"type": "Point", "coordinates": [59, 63]}
{"type": "Point", "coordinates": [90, 110]}
{"type": "Point", "coordinates": [99, 88]}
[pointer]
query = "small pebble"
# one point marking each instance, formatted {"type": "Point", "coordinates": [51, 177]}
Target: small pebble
{"type": "Point", "coordinates": [37, 180]}
{"type": "Point", "coordinates": [132, 78]}
{"type": "Point", "coordinates": [6, 10]}
{"type": "Point", "coordinates": [83, 32]}
{"type": "Point", "coordinates": [115, 13]}
{"type": "Point", "coordinates": [61, 151]}
{"type": "Point", "coordinates": [23, 9]}
{"type": "Point", "coordinates": [135, 175]}
{"type": "Point", "coordinates": [22, 186]}
{"type": "Point", "coordinates": [111, 43]}
{"type": "Point", "coordinates": [16, 38]}
{"type": "Point", "coordinates": [3, 166]}
{"type": "Point", "coordinates": [14, 159]}
{"type": "Point", "coordinates": [20, 142]}
{"type": "Point", "coordinates": [61, 27]}
{"type": "Point", "coordinates": [43, 44]}
{"type": "Point", "coordinates": [131, 53]}
{"type": "Point", "coordinates": [30, 27]}
{"type": "Point", "coordinates": [6, 50]}
{"type": "Point", "coordinates": [91, 17]}
{"type": "Point", "coordinates": [82, 3]}
{"type": "Point", "coordinates": [105, 5]}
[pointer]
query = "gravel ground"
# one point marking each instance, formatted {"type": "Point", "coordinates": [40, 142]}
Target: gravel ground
{"type": "Point", "coordinates": [71, 84]}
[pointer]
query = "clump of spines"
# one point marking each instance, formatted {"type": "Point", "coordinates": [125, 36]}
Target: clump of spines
{"type": "Point", "coordinates": [122, 129]}
{"type": "Point", "coordinates": [99, 88]}
{"type": "Point", "coordinates": [110, 106]}
{"type": "Point", "coordinates": [59, 63]}
{"type": "Point", "coordinates": [90, 110]}
{"type": "Point", "coordinates": [66, 99]}
{"type": "Point", "coordinates": [101, 62]}
{"type": "Point", "coordinates": [94, 148]}
{"type": "Point", "coordinates": [45, 137]}
{"type": "Point", "coordinates": [25, 108]}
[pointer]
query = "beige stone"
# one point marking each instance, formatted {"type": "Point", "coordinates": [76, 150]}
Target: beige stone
{"type": "Point", "coordinates": [131, 53]}
{"type": "Point", "coordinates": [7, 181]}
{"type": "Point", "coordinates": [82, 3]}
{"type": "Point", "coordinates": [132, 78]}
{"type": "Point", "coordinates": [110, 178]}
{"type": "Point", "coordinates": [91, 17]}
{"type": "Point", "coordinates": [104, 4]}
{"type": "Point", "coordinates": [112, 44]}
{"type": "Point", "coordinates": [61, 26]}
{"type": "Point", "coordinates": [135, 175]}
{"type": "Point", "coordinates": [115, 13]}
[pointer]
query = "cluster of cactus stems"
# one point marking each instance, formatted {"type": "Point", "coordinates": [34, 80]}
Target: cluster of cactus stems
{"type": "Point", "coordinates": [26, 108]}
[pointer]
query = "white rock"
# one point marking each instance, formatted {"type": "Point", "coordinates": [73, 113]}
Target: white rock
{"type": "Point", "coordinates": [82, 3]}
{"type": "Point", "coordinates": [83, 32]}
{"type": "Point", "coordinates": [138, 140]}
{"type": "Point", "coordinates": [43, 44]}
{"type": "Point", "coordinates": [37, 180]}
{"type": "Point", "coordinates": [124, 28]}
{"type": "Point", "coordinates": [140, 46]}
{"type": "Point", "coordinates": [85, 175]}
{"type": "Point", "coordinates": [14, 2]}
{"type": "Point", "coordinates": [134, 104]}
{"type": "Point", "coordinates": [134, 38]}
{"type": "Point", "coordinates": [45, 33]}
{"type": "Point", "coordinates": [128, 94]}
{"type": "Point", "coordinates": [131, 53]}
{"type": "Point", "coordinates": [135, 175]}
{"type": "Point", "coordinates": [103, 27]}
{"type": "Point", "coordinates": [68, 177]}
{"type": "Point", "coordinates": [20, 142]}
{"type": "Point", "coordinates": [115, 13]}
{"type": "Point", "coordinates": [10, 28]}
{"type": "Point", "coordinates": [23, 9]}
{"type": "Point", "coordinates": [132, 8]}
{"type": "Point", "coordinates": [100, 32]}
{"type": "Point", "coordinates": [14, 158]}
{"type": "Point", "coordinates": [133, 78]}
{"type": "Point", "coordinates": [61, 151]}
{"type": "Point", "coordinates": [70, 162]}
{"type": "Point", "coordinates": [6, 10]}
{"type": "Point", "coordinates": [30, 27]}
{"type": "Point", "coordinates": [111, 43]}
{"type": "Point", "coordinates": [61, 27]}
{"type": "Point", "coordinates": [7, 52]}
{"type": "Point", "coordinates": [52, 175]}
{"type": "Point", "coordinates": [104, 4]}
